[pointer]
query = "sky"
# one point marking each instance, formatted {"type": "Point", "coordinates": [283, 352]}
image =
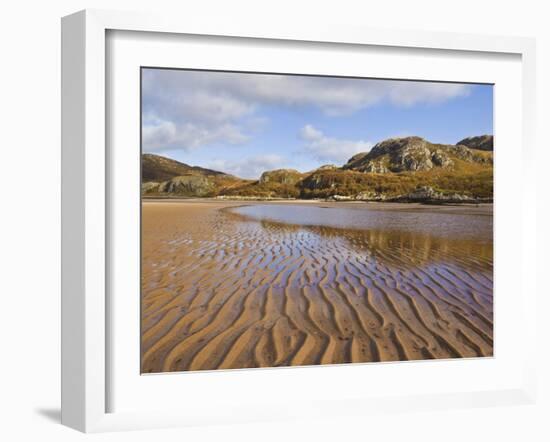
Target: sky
{"type": "Point", "coordinates": [247, 123]}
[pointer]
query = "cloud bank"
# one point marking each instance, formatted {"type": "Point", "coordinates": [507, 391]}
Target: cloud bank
{"type": "Point", "coordinates": [189, 109]}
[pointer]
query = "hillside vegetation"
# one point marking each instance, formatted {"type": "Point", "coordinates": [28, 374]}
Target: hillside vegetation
{"type": "Point", "coordinates": [162, 176]}
{"type": "Point", "coordinates": [399, 169]}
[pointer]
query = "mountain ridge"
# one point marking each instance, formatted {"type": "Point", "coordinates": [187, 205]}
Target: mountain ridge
{"type": "Point", "coordinates": [156, 168]}
{"type": "Point", "coordinates": [479, 142]}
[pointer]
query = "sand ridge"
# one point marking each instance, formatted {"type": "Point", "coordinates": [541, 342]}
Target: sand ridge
{"type": "Point", "coordinates": [222, 291]}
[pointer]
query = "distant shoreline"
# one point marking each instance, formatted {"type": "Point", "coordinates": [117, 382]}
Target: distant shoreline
{"type": "Point", "coordinates": [394, 201]}
{"type": "Point", "coordinates": [485, 209]}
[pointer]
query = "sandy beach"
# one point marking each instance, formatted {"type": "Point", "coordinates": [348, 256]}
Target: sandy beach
{"type": "Point", "coordinates": [226, 286]}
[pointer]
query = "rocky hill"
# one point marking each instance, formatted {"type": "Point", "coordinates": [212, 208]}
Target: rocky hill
{"type": "Point", "coordinates": [398, 169]}
{"type": "Point", "coordinates": [481, 142]}
{"type": "Point", "coordinates": [281, 176]}
{"type": "Point", "coordinates": [413, 154]}
{"type": "Point", "coordinates": [169, 178]}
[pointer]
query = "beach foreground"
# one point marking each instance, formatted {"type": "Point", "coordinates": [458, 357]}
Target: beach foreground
{"type": "Point", "coordinates": [226, 287]}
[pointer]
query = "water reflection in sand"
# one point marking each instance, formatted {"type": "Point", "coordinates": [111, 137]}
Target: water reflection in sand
{"type": "Point", "coordinates": [397, 237]}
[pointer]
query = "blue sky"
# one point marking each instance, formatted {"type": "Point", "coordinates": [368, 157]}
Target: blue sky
{"type": "Point", "coordinates": [244, 124]}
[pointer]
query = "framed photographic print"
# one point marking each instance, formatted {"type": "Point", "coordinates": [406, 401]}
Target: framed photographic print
{"type": "Point", "coordinates": [267, 223]}
{"type": "Point", "coordinates": [266, 252]}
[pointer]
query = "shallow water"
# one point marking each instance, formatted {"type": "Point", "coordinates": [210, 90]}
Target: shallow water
{"type": "Point", "coordinates": [434, 223]}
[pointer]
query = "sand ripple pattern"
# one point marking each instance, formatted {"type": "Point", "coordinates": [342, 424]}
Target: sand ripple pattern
{"type": "Point", "coordinates": [221, 291]}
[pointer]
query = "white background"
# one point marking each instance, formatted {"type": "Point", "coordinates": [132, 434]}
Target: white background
{"type": "Point", "coordinates": [30, 165]}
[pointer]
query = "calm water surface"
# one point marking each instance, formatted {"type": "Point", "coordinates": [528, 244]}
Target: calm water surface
{"type": "Point", "coordinates": [478, 227]}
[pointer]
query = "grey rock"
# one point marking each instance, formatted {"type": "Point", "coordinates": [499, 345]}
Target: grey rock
{"type": "Point", "coordinates": [188, 185]}
{"type": "Point", "coordinates": [412, 154]}
{"type": "Point", "coordinates": [150, 187]}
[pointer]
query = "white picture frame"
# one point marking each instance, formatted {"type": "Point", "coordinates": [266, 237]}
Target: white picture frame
{"type": "Point", "coordinates": [85, 208]}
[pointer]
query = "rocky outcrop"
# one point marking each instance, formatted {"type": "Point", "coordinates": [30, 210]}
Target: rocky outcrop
{"type": "Point", "coordinates": [320, 180]}
{"type": "Point", "coordinates": [185, 185]}
{"type": "Point", "coordinates": [281, 176]}
{"type": "Point", "coordinates": [375, 167]}
{"type": "Point", "coordinates": [426, 194]}
{"type": "Point", "coordinates": [441, 159]}
{"type": "Point", "coordinates": [415, 154]}
{"type": "Point", "coordinates": [150, 187]}
{"type": "Point", "coordinates": [188, 185]}
{"type": "Point", "coordinates": [481, 142]}
{"type": "Point", "coordinates": [356, 160]}
{"type": "Point", "coordinates": [410, 154]}
{"type": "Point", "coordinates": [370, 195]}
{"type": "Point", "coordinates": [462, 152]}
{"type": "Point", "coordinates": [327, 167]}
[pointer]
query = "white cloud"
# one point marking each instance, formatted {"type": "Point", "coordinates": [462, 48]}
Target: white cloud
{"type": "Point", "coordinates": [331, 150]}
{"type": "Point", "coordinates": [330, 94]}
{"type": "Point", "coordinates": [207, 107]}
{"type": "Point", "coordinates": [251, 167]}
{"type": "Point", "coordinates": [309, 133]}
{"type": "Point", "coordinates": [161, 135]}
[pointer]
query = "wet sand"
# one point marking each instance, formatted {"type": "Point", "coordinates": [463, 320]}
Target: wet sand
{"type": "Point", "coordinates": [224, 289]}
